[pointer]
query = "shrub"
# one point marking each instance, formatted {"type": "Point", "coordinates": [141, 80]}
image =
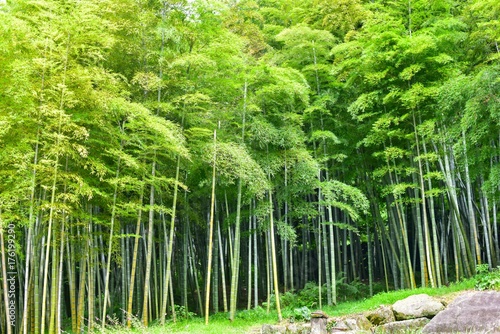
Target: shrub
{"type": "Point", "coordinates": [487, 279]}
{"type": "Point", "coordinates": [182, 314]}
{"type": "Point", "coordinates": [302, 313]}
{"type": "Point", "coordinates": [308, 297]}
{"type": "Point", "coordinates": [252, 314]}
{"type": "Point", "coordinates": [287, 299]}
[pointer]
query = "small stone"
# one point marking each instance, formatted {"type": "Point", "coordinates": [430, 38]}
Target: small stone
{"type": "Point", "coordinates": [293, 329]}
{"type": "Point", "coordinates": [318, 314]}
{"type": "Point", "coordinates": [403, 326]}
{"type": "Point", "coordinates": [273, 329]}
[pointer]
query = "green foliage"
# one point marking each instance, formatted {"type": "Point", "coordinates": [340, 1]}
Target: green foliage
{"type": "Point", "coordinates": [234, 162]}
{"type": "Point", "coordinates": [302, 314]}
{"type": "Point", "coordinates": [182, 313]}
{"type": "Point", "coordinates": [306, 297]}
{"type": "Point", "coordinates": [252, 314]}
{"type": "Point", "coordinates": [286, 231]}
{"type": "Point", "coordinates": [341, 16]}
{"type": "Point", "coordinates": [350, 291]}
{"type": "Point", "coordinates": [297, 304]}
{"type": "Point", "coordinates": [345, 197]}
{"type": "Point", "coordinates": [304, 46]}
{"type": "Point", "coordinates": [487, 279]}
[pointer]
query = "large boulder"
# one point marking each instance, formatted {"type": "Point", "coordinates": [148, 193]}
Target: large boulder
{"type": "Point", "coordinates": [417, 306]}
{"type": "Point", "coordinates": [381, 315]}
{"type": "Point", "coordinates": [472, 312]}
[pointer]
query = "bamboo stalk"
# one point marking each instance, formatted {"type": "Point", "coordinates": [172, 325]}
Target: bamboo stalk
{"type": "Point", "coordinates": [210, 234]}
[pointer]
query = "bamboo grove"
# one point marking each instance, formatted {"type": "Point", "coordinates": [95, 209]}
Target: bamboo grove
{"type": "Point", "coordinates": [164, 157]}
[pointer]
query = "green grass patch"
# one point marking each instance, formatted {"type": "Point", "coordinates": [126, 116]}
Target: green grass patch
{"type": "Point", "coordinates": [244, 322]}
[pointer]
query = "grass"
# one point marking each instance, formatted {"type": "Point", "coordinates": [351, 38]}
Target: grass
{"type": "Point", "coordinates": [219, 324]}
{"type": "Point", "coordinates": [252, 321]}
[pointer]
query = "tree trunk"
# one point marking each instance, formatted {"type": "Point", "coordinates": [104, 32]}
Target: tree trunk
{"type": "Point", "coordinates": [255, 262]}
{"type": "Point", "coordinates": [236, 253]}
{"type": "Point", "coordinates": [150, 246]}
{"type": "Point", "coordinates": [210, 234]}
{"type": "Point", "coordinates": [134, 261]}
{"type": "Point", "coordinates": [170, 243]}
{"type": "Point", "coordinates": [222, 267]}
{"type": "Point", "coordinates": [9, 323]}
{"type": "Point", "coordinates": [476, 250]}
{"type": "Point", "coordinates": [273, 256]}
{"type": "Point", "coordinates": [110, 247]}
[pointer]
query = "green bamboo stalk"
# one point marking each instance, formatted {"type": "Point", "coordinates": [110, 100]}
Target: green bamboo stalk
{"type": "Point", "coordinates": [210, 234]}
{"type": "Point", "coordinates": [237, 228]}
{"type": "Point", "coordinates": [222, 267]}
{"type": "Point", "coordinates": [134, 262]}
{"type": "Point", "coordinates": [170, 243]}
{"type": "Point", "coordinates": [110, 246]}
{"type": "Point", "coordinates": [273, 256]}
{"type": "Point", "coordinates": [150, 245]}
{"type": "Point", "coordinates": [4, 279]}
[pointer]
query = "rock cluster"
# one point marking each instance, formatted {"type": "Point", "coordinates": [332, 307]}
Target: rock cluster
{"type": "Point", "coordinates": [472, 312]}
{"type": "Point", "coordinates": [411, 313]}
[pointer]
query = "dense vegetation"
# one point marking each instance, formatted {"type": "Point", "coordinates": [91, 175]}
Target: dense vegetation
{"type": "Point", "coordinates": [164, 157]}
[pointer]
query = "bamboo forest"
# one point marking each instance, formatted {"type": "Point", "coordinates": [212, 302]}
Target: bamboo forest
{"type": "Point", "coordinates": [162, 157]}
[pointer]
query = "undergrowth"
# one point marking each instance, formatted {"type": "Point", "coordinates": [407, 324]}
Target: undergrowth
{"type": "Point", "coordinates": [487, 279]}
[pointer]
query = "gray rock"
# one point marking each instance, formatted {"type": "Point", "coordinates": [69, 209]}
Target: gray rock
{"type": "Point", "coordinates": [273, 329]}
{"type": "Point", "coordinates": [354, 322]}
{"type": "Point", "coordinates": [358, 322]}
{"type": "Point", "coordinates": [340, 325]}
{"type": "Point", "coordinates": [403, 326]}
{"type": "Point", "coordinates": [380, 316]}
{"type": "Point", "coordinates": [319, 314]}
{"type": "Point", "coordinates": [306, 328]}
{"type": "Point", "coordinates": [298, 329]}
{"type": "Point", "coordinates": [473, 312]}
{"type": "Point", "coordinates": [318, 325]}
{"type": "Point", "coordinates": [335, 326]}
{"type": "Point", "coordinates": [417, 306]}
{"type": "Point", "coordinates": [292, 329]}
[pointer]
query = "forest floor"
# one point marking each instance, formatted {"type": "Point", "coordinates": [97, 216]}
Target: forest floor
{"type": "Point", "coordinates": [251, 321]}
